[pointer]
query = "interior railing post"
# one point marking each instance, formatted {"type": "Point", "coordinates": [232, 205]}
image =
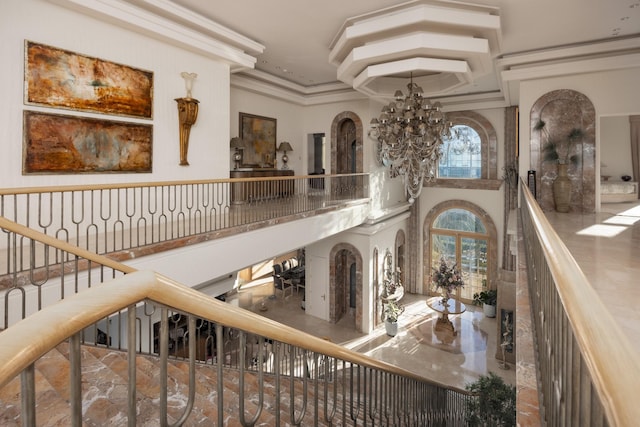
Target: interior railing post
{"type": "Point", "coordinates": [277, 345]}
{"type": "Point", "coordinates": [75, 380]}
{"type": "Point", "coordinates": [28, 396]}
{"type": "Point", "coordinates": [192, 372]}
{"type": "Point", "coordinates": [219, 358]}
{"type": "Point", "coordinates": [164, 359]}
{"type": "Point", "coordinates": [131, 361]}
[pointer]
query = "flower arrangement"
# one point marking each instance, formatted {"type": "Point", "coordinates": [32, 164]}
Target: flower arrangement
{"type": "Point", "coordinates": [447, 279]}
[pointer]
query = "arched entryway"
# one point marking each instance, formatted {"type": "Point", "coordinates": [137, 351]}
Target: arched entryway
{"type": "Point", "coordinates": [346, 143]}
{"type": "Point", "coordinates": [345, 293]}
{"type": "Point", "coordinates": [473, 235]}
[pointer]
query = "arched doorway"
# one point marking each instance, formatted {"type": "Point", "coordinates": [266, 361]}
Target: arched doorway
{"type": "Point", "coordinates": [345, 294]}
{"type": "Point", "coordinates": [346, 143]}
{"type": "Point", "coordinates": [469, 237]}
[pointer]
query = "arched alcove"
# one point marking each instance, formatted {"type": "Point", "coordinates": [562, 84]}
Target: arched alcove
{"type": "Point", "coordinates": [345, 265]}
{"type": "Point", "coordinates": [562, 111]}
{"type": "Point", "coordinates": [346, 143]}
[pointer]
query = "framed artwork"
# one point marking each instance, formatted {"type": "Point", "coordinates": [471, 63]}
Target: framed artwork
{"type": "Point", "coordinates": [258, 141]}
{"type": "Point", "coordinates": [63, 79]}
{"type": "Point", "coordinates": [55, 143]}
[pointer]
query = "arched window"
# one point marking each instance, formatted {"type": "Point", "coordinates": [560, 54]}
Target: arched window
{"type": "Point", "coordinates": [461, 154]}
{"type": "Point", "coordinates": [470, 158]}
{"type": "Point", "coordinates": [460, 236]}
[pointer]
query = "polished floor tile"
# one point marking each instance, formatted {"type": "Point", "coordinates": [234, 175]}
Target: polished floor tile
{"type": "Point", "coordinates": [606, 246]}
{"type": "Point", "coordinates": [418, 347]}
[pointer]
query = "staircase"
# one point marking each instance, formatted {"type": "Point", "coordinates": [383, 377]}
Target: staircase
{"type": "Point", "coordinates": [104, 392]}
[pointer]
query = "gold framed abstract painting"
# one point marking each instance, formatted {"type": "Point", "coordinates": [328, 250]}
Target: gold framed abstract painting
{"type": "Point", "coordinates": [258, 141]}
{"type": "Point", "coordinates": [63, 79]}
{"type": "Point", "coordinates": [55, 144]}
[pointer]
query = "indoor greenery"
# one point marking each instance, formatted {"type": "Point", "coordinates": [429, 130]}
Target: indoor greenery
{"type": "Point", "coordinates": [559, 150]}
{"type": "Point", "coordinates": [392, 310]}
{"type": "Point", "coordinates": [489, 297]}
{"type": "Point", "coordinates": [493, 403]}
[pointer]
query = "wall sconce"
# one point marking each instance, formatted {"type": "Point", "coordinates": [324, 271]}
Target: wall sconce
{"type": "Point", "coordinates": [187, 115]}
{"type": "Point", "coordinates": [284, 147]}
{"type": "Point", "coordinates": [237, 155]}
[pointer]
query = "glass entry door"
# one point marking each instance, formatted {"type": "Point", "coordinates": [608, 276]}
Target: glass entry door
{"type": "Point", "coordinates": [458, 236]}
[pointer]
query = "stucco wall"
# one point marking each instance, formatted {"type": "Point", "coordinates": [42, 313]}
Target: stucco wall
{"type": "Point", "coordinates": [43, 22]}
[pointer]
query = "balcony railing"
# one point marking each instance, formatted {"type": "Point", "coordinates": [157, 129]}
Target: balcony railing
{"type": "Point", "coordinates": [311, 381]}
{"type": "Point", "coordinates": [121, 218]}
{"type": "Point", "coordinates": [587, 368]}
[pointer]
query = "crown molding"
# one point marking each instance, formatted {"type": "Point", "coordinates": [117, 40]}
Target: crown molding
{"type": "Point", "coordinates": [142, 21]}
{"type": "Point", "coordinates": [266, 84]}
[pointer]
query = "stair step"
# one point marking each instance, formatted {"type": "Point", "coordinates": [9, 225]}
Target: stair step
{"type": "Point", "coordinates": [51, 403]}
{"type": "Point", "coordinates": [104, 391]}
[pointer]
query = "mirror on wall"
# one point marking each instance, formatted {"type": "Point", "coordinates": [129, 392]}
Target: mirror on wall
{"type": "Point", "coordinates": [615, 148]}
{"type": "Point", "coordinates": [315, 153]}
{"type": "Point", "coordinates": [618, 187]}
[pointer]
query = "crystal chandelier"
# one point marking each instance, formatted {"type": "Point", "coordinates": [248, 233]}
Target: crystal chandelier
{"type": "Point", "coordinates": [409, 132]}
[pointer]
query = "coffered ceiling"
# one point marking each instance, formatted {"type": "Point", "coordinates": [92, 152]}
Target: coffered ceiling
{"type": "Point", "coordinates": [457, 50]}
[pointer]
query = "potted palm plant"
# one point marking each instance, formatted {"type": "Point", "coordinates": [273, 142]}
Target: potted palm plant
{"type": "Point", "coordinates": [560, 150]}
{"type": "Point", "coordinates": [488, 300]}
{"type": "Point", "coordinates": [391, 313]}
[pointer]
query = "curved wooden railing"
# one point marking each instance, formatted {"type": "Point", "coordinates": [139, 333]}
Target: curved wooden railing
{"type": "Point", "coordinates": [365, 390]}
{"type": "Point", "coordinates": [588, 368]}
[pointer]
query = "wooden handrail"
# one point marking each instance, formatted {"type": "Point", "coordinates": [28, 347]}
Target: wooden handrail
{"type": "Point", "coordinates": [613, 364]}
{"type": "Point", "coordinates": [29, 339]}
{"type": "Point", "coordinates": [89, 187]}
{"type": "Point", "coordinates": [51, 241]}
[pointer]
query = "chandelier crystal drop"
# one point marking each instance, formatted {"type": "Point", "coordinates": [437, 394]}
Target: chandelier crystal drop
{"type": "Point", "coordinates": [409, 132]}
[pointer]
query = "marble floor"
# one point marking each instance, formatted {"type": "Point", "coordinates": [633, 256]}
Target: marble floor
{"type": "Point", "coordinates": [606, 246]}
{"type": "Point", "coordinates": [456, 361]}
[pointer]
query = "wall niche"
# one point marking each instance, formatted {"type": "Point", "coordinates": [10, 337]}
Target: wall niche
{"type": "Point", "coordinates": [563, 110]}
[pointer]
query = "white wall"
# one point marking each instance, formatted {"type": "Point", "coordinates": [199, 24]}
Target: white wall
{"type": "Point", "coordinates": [288, 124]}
{"type": "Point", "coordinates": [43, 22]}
{"type": "Point", "coordinates": [364, 239]}
{"type": "Point", "coordinates": [388, 192]}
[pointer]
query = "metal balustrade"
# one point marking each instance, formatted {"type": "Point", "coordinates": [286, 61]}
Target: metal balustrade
{"type": "Point", "coordinates": [107, 219]}
{"type": "Point", "coordinates": [587, 367]}
{"type": "Point", "coordinates": [309, 381]}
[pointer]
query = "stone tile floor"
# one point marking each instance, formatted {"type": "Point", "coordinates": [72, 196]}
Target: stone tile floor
{"type": "Point", "coordinates": [454, 361]}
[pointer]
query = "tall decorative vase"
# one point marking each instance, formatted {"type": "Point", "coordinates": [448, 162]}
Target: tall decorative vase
{"type": "Point", "coordinates": [562, 189]}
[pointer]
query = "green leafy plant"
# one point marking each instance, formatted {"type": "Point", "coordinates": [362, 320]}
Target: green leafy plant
{"type": "Point", "coordinates": [392, 310]}
{"type": "Point", "coordinates": [559, 150]}
{"type": "Point", "coordinates": [493, 402]}
{"type": "Point", "coordinates": [490, 297]}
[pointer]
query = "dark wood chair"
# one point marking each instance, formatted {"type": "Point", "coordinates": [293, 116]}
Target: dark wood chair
{"type": "Point", "coordinates": [281, 283]}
